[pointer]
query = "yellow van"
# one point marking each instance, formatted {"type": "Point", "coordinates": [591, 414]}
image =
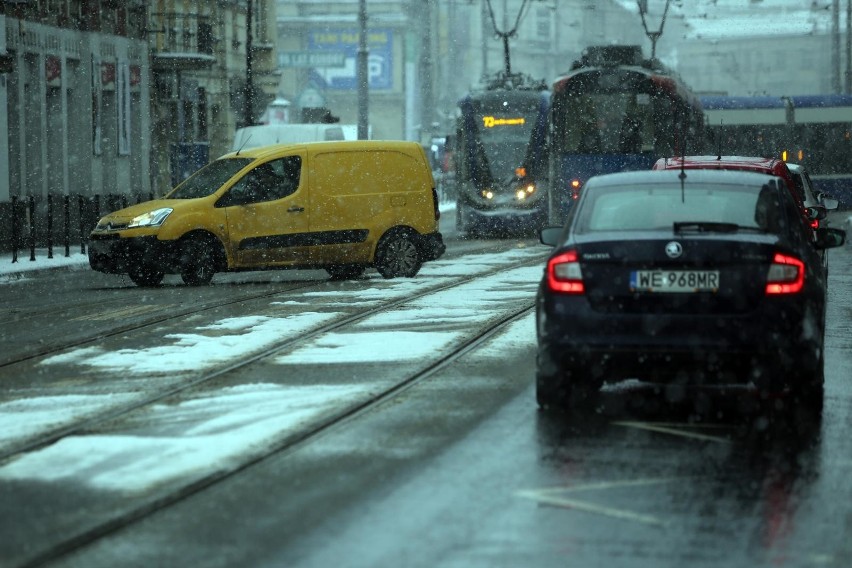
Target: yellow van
{"type": "Point", "coordinates": [341, 206]}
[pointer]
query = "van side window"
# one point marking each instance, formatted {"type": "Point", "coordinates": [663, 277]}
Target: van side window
{"type": "Point", "coordinates": [267, 182]}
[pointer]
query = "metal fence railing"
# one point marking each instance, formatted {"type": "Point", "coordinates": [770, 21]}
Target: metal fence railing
{"type": "Point", "coordinates": [40, 223]}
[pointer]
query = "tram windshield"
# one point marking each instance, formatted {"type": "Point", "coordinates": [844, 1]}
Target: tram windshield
{"type": "Point", "coordinates": [504, 135]}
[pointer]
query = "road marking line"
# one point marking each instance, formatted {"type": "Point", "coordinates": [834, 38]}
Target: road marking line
{"type": "Point", "coordinates": [543, 496]}
{"type": "Point", "coordinates": [673, 431]}
{"type": "Point", "coordinates": [554, 496]}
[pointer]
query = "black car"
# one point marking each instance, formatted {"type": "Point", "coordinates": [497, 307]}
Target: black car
{"type": "Point", "coordinates": [692, 278]}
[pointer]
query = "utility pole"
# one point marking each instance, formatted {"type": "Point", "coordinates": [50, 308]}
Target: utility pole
{"type": "Point", "coordinates": [248, 110]}
{"type": "Point", "coordinates": [426, 11]}
{"type": "Point", "coordinates": [363, 77]}
{"type": "Point", "coordinates": [835, 46]}
{"type": "Point", "coordinates": [848, 85]}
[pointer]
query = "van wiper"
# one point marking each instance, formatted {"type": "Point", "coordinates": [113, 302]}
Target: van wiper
{"type": "Point", "coordinates": [712, 227]}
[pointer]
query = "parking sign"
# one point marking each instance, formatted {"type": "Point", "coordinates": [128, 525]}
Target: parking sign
{"type": "Point", "coordinates": [379, 59]}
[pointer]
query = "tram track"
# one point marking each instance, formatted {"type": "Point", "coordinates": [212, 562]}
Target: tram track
{"type": "Point", "coordinates": [142, 321]}
{"type": "Point", "coordinates": [118, 410]}
{"type": "Point", "coordinates": [138, 316]}
{"type": "Point", "coordinates": [152, 504]}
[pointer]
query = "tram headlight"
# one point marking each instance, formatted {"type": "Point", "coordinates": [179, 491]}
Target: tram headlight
{"type": "Point", "coordinates": [487, 194]}
{"type": "Point", "coordinates": [525, 191]}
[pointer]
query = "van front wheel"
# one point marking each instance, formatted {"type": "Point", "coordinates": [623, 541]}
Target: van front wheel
{"type": "Point", "coordinates": [397, 256]}
{"type": "Point", "coordinates": [197, 261]}
{"type": "Point", "coordinates": [145, 276]}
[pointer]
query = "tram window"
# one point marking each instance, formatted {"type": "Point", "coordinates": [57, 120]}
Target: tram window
{"type": "Point", "coordinates": [664, 127]}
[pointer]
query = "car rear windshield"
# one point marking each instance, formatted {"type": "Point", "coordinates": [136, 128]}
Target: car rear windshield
{"type": "Point", "coordinates": [209, 178]}
{"type": "Point", "coordinates": [653, 207]}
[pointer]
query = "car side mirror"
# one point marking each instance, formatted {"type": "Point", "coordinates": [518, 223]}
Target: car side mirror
{"type": "Point", "coordinates": [829, 237]}
{"type": "Point", "coordinates": [830, 203]}
{"type": "Point", "coordinates": [816, 213]}
{"type": "Point", "coordinates": [232, 198]}
{"type": "Point", "coordinates": [550, 235]}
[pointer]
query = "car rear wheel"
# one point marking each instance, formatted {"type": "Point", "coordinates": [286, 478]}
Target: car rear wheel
{"type": "Point", "coordinates": [344, 271]}
{"type": "Point", "coordinates": [145, 276]}
{"type": "Point", "coordinates": [808, 389]}
{"type": "Point", "coordinates": [397, 256]}
{"type": "Point", "coordinates": [198, 263]}
{"type": "Point", "coordinates": [563, 391]}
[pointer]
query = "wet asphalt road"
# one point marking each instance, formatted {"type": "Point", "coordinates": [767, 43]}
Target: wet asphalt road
{"type": "Point", "coordinates": [464, 471]}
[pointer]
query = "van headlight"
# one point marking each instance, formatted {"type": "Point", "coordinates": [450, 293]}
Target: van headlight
{"type": "Point", "coordinates": [153, 218]}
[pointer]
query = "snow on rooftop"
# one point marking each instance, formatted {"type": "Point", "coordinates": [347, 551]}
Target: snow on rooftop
{"type": "Point", "coordinates": [721, 19]}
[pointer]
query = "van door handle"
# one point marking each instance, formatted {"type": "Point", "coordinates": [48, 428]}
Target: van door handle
{"type": "Point", "coordinates": [295, 209]}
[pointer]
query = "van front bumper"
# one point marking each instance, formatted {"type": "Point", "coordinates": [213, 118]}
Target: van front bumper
{"type": "Point", "coordinates": [112, 254]}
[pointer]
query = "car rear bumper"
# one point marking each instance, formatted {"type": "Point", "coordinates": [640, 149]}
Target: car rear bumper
{"type": "Point", "coordinates": [764, 346]}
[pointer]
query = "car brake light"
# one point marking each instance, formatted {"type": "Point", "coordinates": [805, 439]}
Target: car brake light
{"type": "Point", "coordinates": [786, 275]}
{"type": "Point", "coordinates": [564, 274]}
{"type": "Point", "coordinates": [576, 184]}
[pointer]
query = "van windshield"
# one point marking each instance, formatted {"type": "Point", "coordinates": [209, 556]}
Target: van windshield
{"type": "Point", "coordinates": [208, 179]}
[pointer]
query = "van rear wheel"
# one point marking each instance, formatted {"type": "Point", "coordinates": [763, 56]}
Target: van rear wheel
{"type": "Point", "coordinates": [397, 256]}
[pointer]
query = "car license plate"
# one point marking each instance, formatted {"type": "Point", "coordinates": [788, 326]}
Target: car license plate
{"type": "Point", "coordinates": [674, 280]}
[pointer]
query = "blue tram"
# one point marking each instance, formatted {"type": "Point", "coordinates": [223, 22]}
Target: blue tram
{"type": "Point", "coordinates": [500, 158]}
{"type": "Point", "coordinates": [813, 130]}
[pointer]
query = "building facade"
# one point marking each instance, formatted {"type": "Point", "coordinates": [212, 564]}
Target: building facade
{"type": "Point", "coordinates": [74, 112]}
{"type": "Point", "coordinates": [101, 97]}
{"type": "Point", "coordinates": [209, 77]}
{"type": "Point", "coordinates": [425, 54]}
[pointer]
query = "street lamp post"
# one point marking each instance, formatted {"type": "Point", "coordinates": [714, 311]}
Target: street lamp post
{"type": "Point", "coordinates": [248, 110]}
{"type": "Point", "coordinates": [363, 78]}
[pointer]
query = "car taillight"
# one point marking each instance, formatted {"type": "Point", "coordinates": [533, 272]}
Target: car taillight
{"type": "Point", "coordinates": [564, 274]}
{"type": "Point", "coordinates": [576, 185]}
{"type": "Point", "coordinates": [786, 275]}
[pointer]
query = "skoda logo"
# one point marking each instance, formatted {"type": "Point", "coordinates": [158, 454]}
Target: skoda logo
{"type": "Point", "coordinates": [674, 249]}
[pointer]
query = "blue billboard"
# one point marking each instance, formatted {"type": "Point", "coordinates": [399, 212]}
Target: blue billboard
{"type": "Point", "coordinates": [379, 58]}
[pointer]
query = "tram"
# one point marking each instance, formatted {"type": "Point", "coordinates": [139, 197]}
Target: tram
{"type": "Point", "coordinates": [616, 111]}
{"type": "Point", "coordinates": [812, 130]}
{"type": "Point", "coordinates": [501, 158]}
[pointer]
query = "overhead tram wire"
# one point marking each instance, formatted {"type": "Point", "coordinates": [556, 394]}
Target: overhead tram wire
{"type": "Point", "coordinates": [505, 35]}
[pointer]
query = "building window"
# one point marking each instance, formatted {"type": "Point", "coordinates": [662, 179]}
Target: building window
{"type": "Point", "coordinates": [543, 24]}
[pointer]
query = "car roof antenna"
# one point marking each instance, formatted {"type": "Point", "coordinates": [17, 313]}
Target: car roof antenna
{"type": "Point", "coordinates": [243, 145]}
{"type": "Point", "coordinates": [682, 174]}
{"type": "Point", "coordinates": [721, 129]}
